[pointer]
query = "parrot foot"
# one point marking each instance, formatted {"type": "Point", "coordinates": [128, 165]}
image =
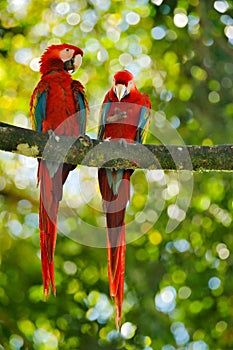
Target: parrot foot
{"type": "Point", "coordinates": [53, 136]}
{"type": "Point", "coordinates": [85, 140]}
{"type": "Point", "coordinates": [123, 143]}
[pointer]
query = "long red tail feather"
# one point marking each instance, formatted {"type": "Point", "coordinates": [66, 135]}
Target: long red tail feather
{"type": "Point", "coordinates": [50, 195]}
{"type": "Point", "coordinates": [116, 272]}
{"type": "Point", "coordinates": [48, 235]}
{"type": "Point", "coordinates": [114, 205]}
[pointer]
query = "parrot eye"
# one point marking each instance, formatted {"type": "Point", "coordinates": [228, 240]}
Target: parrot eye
{"type": "Point", "coordinates": [67, 50]}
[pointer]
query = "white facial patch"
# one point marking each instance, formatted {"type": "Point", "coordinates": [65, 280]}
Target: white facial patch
{"type": "Point", "coordinates": [66, 54]}
{"type": "Point", "coordinates": [129, 87]}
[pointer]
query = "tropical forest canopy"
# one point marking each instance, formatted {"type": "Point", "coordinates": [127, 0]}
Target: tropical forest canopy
{"type": "Point", "coordinates": [179, 281]}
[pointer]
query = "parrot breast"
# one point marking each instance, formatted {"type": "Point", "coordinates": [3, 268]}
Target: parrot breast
{"type": "Point", "coordinates": [122, 121]}
{"type": "Point", "coordinates": [60, 108]}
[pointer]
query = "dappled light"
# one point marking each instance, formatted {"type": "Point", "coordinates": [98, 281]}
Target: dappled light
{"type": "Point", "coordinates": [178, 281]}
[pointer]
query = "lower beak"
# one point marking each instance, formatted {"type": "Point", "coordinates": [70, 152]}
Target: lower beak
{"type": "Point", "coordinates": [73, 64]}
{"type": "Point", "coordinates": [69, 65]}
{"type": "Point", "coordinates": [120, 91]}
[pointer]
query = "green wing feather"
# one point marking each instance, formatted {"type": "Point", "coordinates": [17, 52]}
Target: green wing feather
{"type": "Point", "coordinates": [144, 120]}
{"type": "Point", "coordinates": [103, 116]}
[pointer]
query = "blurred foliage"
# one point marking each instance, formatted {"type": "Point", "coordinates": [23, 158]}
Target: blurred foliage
{"type": "Point", "coordinates": [178, 288]}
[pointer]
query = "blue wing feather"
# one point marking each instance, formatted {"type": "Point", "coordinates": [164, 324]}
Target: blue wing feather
{"type": "Point", "coordinates": [40, 110]}
{"type": "Point", "coordinates": [81, 105]}
{"type": "Point", "coordinates": [83, 112]}
{"type": "Point", "coordinates": [38, 105]}
{"type": "Point", "coordinates": [103, 117]}
{"type": "Point", "coordinates": [143, 124]}
{"type": "Point", "coordinates": [114, 181]}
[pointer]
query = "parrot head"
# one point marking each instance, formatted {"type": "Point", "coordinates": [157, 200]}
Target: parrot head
{"type": "Point", "coordinates": [61, 57]}
{"type": "Point", "coordinates": [123, 84]}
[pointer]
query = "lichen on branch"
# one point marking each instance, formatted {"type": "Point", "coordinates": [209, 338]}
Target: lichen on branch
{"type": "Point", "coordinates": [94, 153]}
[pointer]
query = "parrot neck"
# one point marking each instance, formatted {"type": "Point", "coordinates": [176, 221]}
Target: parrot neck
{"type": "Point", "coordinates": [50, 65]}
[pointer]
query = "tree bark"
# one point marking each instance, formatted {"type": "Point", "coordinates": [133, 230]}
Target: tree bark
{"type": "Point", "coordinates": [94, 153]}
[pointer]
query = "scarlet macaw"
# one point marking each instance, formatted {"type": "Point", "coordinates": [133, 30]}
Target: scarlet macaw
{"type": "Point", "coordinates": [58, 103]}
{"type": "Point", "coordinates": [125, 117]}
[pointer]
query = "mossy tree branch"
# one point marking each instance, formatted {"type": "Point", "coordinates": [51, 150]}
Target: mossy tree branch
{"type": "Point", "coordinates": [113, 155]}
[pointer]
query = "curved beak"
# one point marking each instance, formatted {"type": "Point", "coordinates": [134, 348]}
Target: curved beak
{"type": "Point", "coordinates": [77, 62]}
{"type": "Point", "coordinates": [120, 91]}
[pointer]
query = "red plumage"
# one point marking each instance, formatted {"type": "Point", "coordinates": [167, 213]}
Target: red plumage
{"type": "Point", "coordinates": [55, 105]}
{"type": "Point", "coordinates": [125, 115]}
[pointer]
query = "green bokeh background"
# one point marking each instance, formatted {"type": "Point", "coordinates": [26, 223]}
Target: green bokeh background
{"type": "Point", "coordinates": [178, 286]}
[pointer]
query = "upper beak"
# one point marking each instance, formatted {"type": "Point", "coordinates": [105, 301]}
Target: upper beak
{"type": "Point", "coordinates": [120, 91]}
{"type": "Point", "coordinates": [77, 62]}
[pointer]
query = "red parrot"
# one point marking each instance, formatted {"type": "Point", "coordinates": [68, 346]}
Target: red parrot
{"type": "Point", "coordinates": [125, 117]}
{"type": "Point", "coordinates": [58, 104]}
